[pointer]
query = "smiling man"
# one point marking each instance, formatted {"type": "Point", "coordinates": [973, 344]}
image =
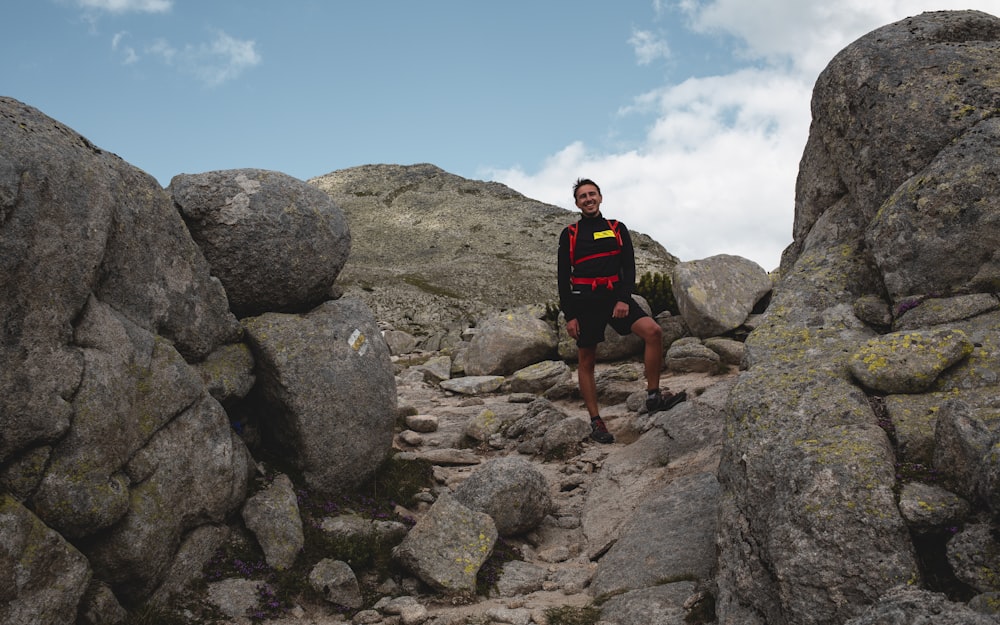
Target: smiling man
{"type": "Point", "coordinates": [596, 280]}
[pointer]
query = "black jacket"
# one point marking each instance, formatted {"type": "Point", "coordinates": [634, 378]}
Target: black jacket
{"type": "Point", "coordinates": [621, 265]}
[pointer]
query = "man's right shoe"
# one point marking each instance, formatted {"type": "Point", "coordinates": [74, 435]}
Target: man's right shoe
{"type": "Point", "coordinates": [599, 432]}
{"type": "Point", "coordinates": [664, 401]}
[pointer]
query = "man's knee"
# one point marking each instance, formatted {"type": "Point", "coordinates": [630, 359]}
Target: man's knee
{"type": "Point", "coordinates": [647, 329]}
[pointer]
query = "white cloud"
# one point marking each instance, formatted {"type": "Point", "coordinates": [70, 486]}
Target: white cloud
{"type": "Point", "coordinates": [220, 60]}
{"type": "Point", "coordinates": [648, 47]}
{"type": "Point", "coordinates": [715, 174]}
{"type": "Point", "coordinates": [716, 171]}
{"type": "Point", "coordinates": [127, 6]}
{"type": "Point", "coordinates": [129, 56]}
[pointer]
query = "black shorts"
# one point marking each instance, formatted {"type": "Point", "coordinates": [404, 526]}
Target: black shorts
{"type": "Point", "coordinates": [595, 316]}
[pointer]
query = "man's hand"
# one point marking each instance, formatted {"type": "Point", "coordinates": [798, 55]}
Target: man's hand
{"type": "Point", "coordinates": [573, 328]}
{"type": "Point", "coordinates": [620, 311]}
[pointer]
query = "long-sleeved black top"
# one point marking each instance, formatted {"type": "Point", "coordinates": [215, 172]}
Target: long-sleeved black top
{"type": "Point", "coordinates": [621, 265]}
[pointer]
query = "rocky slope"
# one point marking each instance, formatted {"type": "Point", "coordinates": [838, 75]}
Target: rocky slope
{"type": "Point", "coordinates": [430, 248]}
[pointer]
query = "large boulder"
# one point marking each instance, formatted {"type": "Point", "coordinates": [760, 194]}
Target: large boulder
{"type": "Point", "coordinates": [326, 386]}
{"type": "Point", "coordinates": [511, 490]}
{"type": "Point", "coordinates": [508, 342]}
{"type": "Point", "coordinates": [716, 294]}
{"type": "Point", "coordinates": [899, 160]}
{"type": "Point", "coordinates": [275, 242]}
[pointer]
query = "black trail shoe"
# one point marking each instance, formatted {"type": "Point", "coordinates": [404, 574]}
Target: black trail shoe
{"type": "Point", "coordinates": [664, 401]}
{"type": "Point", "coordinates": [599, 432]}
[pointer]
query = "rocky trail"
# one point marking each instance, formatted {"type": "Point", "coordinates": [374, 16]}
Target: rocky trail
{"type": "Point", "coordinates": [559, 546]}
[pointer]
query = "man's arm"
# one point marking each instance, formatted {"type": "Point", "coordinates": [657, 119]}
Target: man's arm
{"type": "Point", "coordinates": [626, 274]}
{"type": "Point", "coordinates": [564, 271]}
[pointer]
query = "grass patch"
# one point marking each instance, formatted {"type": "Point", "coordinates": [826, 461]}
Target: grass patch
{"type": "Point", "coordinates": [567, 615]}
{"type": "Point", "coordinates": [422, 284]}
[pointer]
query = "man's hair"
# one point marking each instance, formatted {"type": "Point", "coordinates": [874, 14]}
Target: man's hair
{"type": "Point", "coordinates": [582, 181]}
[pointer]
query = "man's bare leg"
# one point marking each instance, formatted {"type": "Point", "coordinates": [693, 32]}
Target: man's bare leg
{"type": "Point", "coordinates": [652, 334]}
{"type": "Point", "coordinates": [587, 357]}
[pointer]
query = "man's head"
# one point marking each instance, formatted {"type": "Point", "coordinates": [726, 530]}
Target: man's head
{"type": "Point", "coordinates": [587, 196]}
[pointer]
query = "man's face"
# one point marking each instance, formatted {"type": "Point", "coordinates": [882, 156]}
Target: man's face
{"type": "Point", "coordinates": [588, 200]}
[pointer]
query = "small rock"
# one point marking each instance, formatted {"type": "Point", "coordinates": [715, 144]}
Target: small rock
{"type": "Point", "coordinates": [423, 423]}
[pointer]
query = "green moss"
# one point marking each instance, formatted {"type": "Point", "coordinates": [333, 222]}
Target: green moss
{"type": "Point", "coordinates": [492, 569]}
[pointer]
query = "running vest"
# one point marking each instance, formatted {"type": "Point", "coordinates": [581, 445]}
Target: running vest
{"type": "Point", "coordinates": [593, 283]}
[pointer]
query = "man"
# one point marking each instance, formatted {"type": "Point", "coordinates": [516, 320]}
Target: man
{"type": "Point", "coordinates": [596, 280]}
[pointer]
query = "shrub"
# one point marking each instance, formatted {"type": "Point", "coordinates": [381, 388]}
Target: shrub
{"type": "Point", "coordinates": [657, 289]}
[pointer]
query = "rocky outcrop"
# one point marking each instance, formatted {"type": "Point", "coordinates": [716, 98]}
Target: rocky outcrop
{"type": "Point", "coordinates": [895, 175]}
{"type": "Point", "coordinates": [106, 299]}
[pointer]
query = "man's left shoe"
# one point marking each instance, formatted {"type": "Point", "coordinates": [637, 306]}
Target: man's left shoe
{"type": "Point", "coordinates": [664, 401]}
{"type": "Point", "coordinates": [599, 432]}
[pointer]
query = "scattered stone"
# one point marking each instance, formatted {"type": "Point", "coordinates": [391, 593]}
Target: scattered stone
{"type": "Point", "coordinates": [520, 578]}
{"type": "Point", "coordinates": [539, 377]}
{"type": "Point", "coordinates": [473, 385]}
{"type": "Point", "coordinates": [929, 508]}
{"type": "Point", "coordinates": [447, 546]}
{"type": "Point", "coordinates": [689, 355]}
{"type": "Point", "coordinates": [273, 516]}
{"type": "Point", "coordinates": [337, 582]}
{"type": "Point", "coordinates": [424, 423]}
{"type": "Point", "coordinates": [399, 342]}
{"type": "Point", "coordinates": [511, 490]}
{"type": "Point", "coordinates": [483, 425]}
{"type": "Point", "coordinates": [436, 369]}
{"type": "Point", "coordinates": [411, 438]}
{"type": "Point", "coordinates": [908, 362]}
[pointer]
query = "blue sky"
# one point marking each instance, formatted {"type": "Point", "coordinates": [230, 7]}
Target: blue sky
{"type": "Point", "coordinates": [691, 114]}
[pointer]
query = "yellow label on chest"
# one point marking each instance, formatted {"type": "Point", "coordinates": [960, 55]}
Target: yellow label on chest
{"type": "Point", "coordinates": [604, 234]}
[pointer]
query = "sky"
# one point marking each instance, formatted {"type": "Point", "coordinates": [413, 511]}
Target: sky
{"type": "Point", "coordinates": [691, 115]}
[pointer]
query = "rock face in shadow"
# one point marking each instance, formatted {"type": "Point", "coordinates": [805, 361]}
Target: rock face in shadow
{"type": "Point", "coordinates": [897, 202]}
{"type": "Point", "coordinates": [105, 301]}
{"type": "Point", "coordinates": [118, 351]}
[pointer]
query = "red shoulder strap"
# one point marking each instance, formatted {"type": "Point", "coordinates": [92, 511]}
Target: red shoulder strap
{"type": "Point", "coordinates": [572, 228]}
{"type": "Point", "coordinates": [572, 243]}
{"type": "Point", "coordinates": [614, 228]}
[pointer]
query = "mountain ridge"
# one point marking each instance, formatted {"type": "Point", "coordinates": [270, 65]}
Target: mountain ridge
{"type": "Point", "coordinates": [431, 247]}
